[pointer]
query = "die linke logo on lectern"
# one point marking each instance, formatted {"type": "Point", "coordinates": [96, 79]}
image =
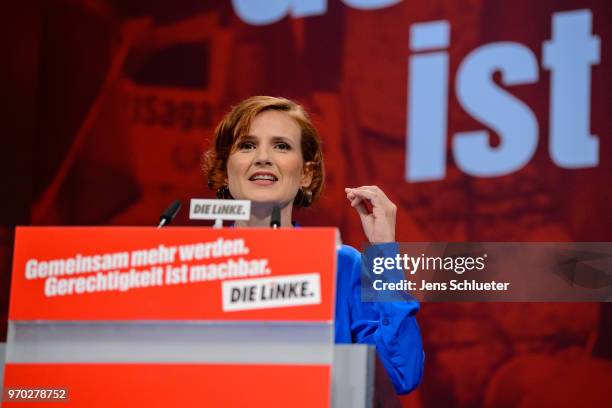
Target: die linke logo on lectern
{"type": "Point", "coordinates": [278, 291]}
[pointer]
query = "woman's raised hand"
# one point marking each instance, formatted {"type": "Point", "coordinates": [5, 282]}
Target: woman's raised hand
{"type": "Point", "coordinates": [376, 211]}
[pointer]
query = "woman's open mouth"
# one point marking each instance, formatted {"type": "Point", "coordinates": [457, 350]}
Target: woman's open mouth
{"type": "Point", "coordinates": [263, 179]}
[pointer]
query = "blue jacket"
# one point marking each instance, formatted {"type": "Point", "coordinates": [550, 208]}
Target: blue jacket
{"type": "Point", "coordinates": [390, 326]}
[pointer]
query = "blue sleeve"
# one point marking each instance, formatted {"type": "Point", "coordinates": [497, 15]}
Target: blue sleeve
{"type": "Point", "coordinates": [390, 326]}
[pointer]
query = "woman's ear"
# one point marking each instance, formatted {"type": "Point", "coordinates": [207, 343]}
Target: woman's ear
{"type": "Point", "coordinates": [307, 174]}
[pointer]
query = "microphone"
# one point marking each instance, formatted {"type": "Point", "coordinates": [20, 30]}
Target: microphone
{"type": "Point", "coordinates": [168, 215]}
{"type": "Point", "coordinates": [275, 220]}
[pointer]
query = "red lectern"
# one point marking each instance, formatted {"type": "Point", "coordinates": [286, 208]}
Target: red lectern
{"type": "Point", "coordinates": [173, 317]}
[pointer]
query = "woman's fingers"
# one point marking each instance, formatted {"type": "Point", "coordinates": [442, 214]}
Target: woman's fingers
{"type": "Point", "coordinates": [362, 193]}
{"type": "Point", "coordinates": [357, 203]}
{"type": "Point", "coordinates": [378, 224]}
{"type": "Point", "coordinates": [374, 195]}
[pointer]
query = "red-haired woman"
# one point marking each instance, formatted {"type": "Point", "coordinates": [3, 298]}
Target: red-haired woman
{"type": "Point", "coordinates": [266, 150]}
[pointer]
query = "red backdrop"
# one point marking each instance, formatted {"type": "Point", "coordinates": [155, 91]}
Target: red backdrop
{"type": "Point", "coordinates": [110, 105]}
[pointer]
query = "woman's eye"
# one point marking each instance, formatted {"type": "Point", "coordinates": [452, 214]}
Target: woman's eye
{"type": "Point", "coordinates": [246, 145]}
{"type": "Point", "coordinates": [283, 146]}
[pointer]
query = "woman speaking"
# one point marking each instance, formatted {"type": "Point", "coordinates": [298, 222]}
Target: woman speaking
{"type": "Point", "coordinates": [266, 150]}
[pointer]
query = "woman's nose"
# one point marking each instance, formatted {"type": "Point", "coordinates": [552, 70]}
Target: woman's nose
{"type": "Point", "coordinates": [263, 157]}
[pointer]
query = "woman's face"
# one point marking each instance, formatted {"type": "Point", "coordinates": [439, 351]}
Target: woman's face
{"type": "Point", "coordinates": [266, 166]}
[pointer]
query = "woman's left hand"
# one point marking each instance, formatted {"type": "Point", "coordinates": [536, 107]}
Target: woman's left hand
{"type": "Point", "coordinates": [379, 223]}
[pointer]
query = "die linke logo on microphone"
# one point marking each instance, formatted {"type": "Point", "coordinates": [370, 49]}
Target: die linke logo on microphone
{"type": "Point", "coordinates": [569, 56]}
{"type": "Point", "coordinates": [205, 209]}
{"type": "Point", "coordinates": [265, 293]}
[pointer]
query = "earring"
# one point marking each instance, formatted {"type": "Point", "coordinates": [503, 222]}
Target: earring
{"type": "Point", "coordinates": [303, 198]}
{"type": "Point", "coordinates": [224, 193]}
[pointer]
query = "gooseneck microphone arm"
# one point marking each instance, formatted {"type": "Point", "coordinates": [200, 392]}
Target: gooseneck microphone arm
{"type": "Point", "coordinates": [275, 220]}
{"type": "Point", "coordinates": [168, 215]}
